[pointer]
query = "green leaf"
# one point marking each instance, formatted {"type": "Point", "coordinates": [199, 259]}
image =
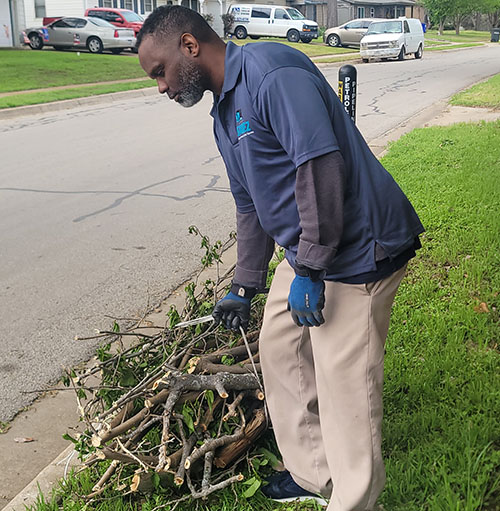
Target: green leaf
{"type": "Point", "coordinates": [127, 378]}
{"type": "Point", "coordinates": [209, 395]}
{"type": "Point", "coordinates": [156, 479]}
{"type": "Point", "coordinates": [69, 438]}
{"type": "Point", "coordinates": [254, 485]}
{"type": "Point", "coordinates": [188, 419]}
{"type": "Point", "coordinates": [268, 455]}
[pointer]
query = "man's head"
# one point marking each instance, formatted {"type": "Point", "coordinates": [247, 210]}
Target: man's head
{"type": "Point", "coordinates": [173, 46]}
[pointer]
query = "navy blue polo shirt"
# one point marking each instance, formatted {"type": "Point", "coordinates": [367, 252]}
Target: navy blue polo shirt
{"type": "Point", "coordinates": [276, 111]}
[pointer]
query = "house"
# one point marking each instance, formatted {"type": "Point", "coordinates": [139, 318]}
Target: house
{"type": "Point", "coordinates": [11, 22]}
{"type": "Point", "coordinates": [352, 9]}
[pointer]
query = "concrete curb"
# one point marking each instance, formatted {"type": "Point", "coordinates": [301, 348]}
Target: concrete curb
{"type": "Point", "coordinates": [12, 113]}
{"type": "Point", "coordinates": [45, 481]}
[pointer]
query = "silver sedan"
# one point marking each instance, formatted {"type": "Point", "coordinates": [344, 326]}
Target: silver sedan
{"type": "Point", "coordinates": [94, 34]}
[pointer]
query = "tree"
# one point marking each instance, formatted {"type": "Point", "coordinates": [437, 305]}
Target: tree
{"type": "Point", "coordinates": [460, 10]}
{"type": "Point", "coordinates": [492, 9]}
{"type": "Point", "coordinates": [439, 10]}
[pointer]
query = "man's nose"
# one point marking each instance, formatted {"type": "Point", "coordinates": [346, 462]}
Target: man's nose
{"type": "Point", "coordinates": [162, 85]}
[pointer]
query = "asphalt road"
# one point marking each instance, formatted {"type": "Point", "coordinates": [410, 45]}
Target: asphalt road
{"type": "Point", "coordinates": [95, 205]}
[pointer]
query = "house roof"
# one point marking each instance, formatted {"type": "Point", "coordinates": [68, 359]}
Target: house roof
{"type": "Point", "coordinates": [381, 2]}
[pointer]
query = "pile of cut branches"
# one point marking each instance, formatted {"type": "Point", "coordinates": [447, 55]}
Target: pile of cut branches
{"type": "Point", "coordinates": [181, 406]}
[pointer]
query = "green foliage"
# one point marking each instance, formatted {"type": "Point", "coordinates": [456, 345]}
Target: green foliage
{"type": "Point", "coordinates": [27, 69]}
{"type": "Point", "coordinates": [484, 94]}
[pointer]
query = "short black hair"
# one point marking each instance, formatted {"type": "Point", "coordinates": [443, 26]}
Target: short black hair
{"type": "Point", "coordinates": [169, 20]}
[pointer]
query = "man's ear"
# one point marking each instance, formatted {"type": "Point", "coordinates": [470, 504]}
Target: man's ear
{"type": "Point", "coordinates": [190, 45]}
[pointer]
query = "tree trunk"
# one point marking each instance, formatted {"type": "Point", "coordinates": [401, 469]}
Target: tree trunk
{"type": "Point", "coordinates": [441, 27]}
{"type": "Point", "coordinates": [332, 18]}
{"type": "Point", "coordinates": [458, 19]}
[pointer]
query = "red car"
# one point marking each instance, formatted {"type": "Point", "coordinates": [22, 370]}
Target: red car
{"type": "Point", "coordinates": [118, 17]}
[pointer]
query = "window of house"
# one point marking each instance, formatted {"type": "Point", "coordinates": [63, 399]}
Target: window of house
{"type": "Point", "coordinates": [261, 12]}
{"type": "Point", "coordinates": [40, 9]}
{"type": "Point", "coordinates": [107, 3]}
{"type": "Point", "coordinates": [191, 4]}
{"type": "Point", "coordinates": [148, 5]}
{"type": "Point", "coordinates": [361, 12]}
{"type": "Point", "coordinates": [129, 4]}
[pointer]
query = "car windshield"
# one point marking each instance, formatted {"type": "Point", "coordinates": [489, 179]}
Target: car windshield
{"type": "Point", "coordinates": [100, 22]}
{"type": "Point", "coordinates": [132, 17]}
{"type": "Point", "coordinates": [385, 27]}
{"type": "Point", "coordinates": [295, 14]}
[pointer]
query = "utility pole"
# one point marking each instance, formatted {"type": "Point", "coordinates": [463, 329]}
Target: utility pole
{"type": "Point", "coordinates": [332, 17]}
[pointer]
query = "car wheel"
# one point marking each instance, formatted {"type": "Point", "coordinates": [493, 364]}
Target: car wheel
{"type": "Point", "coordinates": [36, 42]}
{"type": "Point", "coordinates": [255, 37]}
{"type": "Point", "coordinates": [240, 33]}
{"type": "Point", "coordinates": [419, 52]}
{"type": "Point", "coordinates": [401, 55]}
{"type": "Point", "coordinates": [94, 45]}
{"type": "Point", "coordinates": [306, 39]}
{"type": "Point", "coordinates": [333, 40]}
{"type": "Point", "coordinates": [293, 36]}
{"type": "Point", "coordinates": [116, 51]}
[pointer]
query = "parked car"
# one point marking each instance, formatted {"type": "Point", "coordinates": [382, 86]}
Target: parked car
{"type": "Point", "coordinates": [393, 39]}
{"type": "Point", "coordinates": [271, 21]}
{"type": "Point", "coordinates": [118, 17]}
{"type": "Point", "coordinates": [348, 34]}
{"type": "Point", "coordinates": [94, 34]}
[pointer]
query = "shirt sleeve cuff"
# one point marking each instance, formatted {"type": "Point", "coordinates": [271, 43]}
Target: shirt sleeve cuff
{"type": "Point", "coordinates": [317, 257]}
{"type": "Point", "coordinates": [250, 278]}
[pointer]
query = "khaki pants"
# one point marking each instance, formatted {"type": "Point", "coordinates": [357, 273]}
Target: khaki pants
{"type": "Point", "coordinates": [324, 388]}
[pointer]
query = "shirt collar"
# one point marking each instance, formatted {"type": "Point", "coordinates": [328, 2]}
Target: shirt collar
{"type": "Point", "coordinates": [232, 70]}
{"type": "Point", "coordinates": [232, 66]}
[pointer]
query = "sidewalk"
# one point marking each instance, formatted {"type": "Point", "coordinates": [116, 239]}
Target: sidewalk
{"type": "Point", "coordinates": [29, 465]}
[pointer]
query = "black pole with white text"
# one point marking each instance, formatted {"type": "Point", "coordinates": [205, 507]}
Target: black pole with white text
{"type": "Point", "coordinates": [348, 89]}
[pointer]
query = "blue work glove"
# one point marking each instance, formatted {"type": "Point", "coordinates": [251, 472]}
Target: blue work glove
{"type": "Point", "coordinates": [306, 301]}
{"type": "Point", "coordinates": [233, 311]}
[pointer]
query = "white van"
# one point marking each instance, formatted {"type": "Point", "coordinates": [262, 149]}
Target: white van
{"type": "Point", "coordinates": [393, 38]}
{"type": "Point", "coordinates": [256, 20]}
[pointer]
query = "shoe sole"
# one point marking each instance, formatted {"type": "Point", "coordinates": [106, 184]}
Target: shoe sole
{"type": "Point", "coordinates": [319, 500]}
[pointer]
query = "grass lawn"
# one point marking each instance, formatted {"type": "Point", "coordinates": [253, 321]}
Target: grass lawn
{"type": "Point", "coordinates": [312, 49]}
{"type": "Point", "coordinates": [37, 98]}
{"type": "Point", "coordinates": [442, 387]}
{"type": "Point", "coordinates": [440, 47]}
{"type": "Point", "coordinates": [485, 94]}
{"type": "Point", "coordinates": [28, 69]}
{"type": "Point", "coordinates": [466, 36]}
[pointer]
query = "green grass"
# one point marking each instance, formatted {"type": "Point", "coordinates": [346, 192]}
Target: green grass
{"type": "Point", "coordinates": [466, 36]}
{"type": "Point", "coordinates": [485, 94]}
{"type": "Point", "coordinates": [442, 389]}
{"type": "Point", "coordinates": [312, 49]}
{"type": "Point", "coordinates": [36, 98]}
{"type": "Point", "coordinates": [28, 69]}
{"type": "Point", "coordinates": [331, 60]}
{"type": "Point", "coordinates": [442, 386]}
{"type": "Point", "coordinates": [451, 46]}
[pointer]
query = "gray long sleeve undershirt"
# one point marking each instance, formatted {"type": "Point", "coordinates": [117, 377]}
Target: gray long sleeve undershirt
{"type": "Point", "coordinates": [319, 193]}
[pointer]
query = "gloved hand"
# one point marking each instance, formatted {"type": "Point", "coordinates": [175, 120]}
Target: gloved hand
{"type": "Point", "coordinates": [233, 311]}
{"type": "Point", "coordinates": [306, 301]}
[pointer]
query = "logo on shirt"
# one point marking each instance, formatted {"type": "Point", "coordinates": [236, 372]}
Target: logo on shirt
{"type": "Point", "coordinates": [242, 127]}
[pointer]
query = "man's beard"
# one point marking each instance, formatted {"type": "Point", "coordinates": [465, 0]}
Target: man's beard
{"type": "Point", "coordinates": [191, 84]}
